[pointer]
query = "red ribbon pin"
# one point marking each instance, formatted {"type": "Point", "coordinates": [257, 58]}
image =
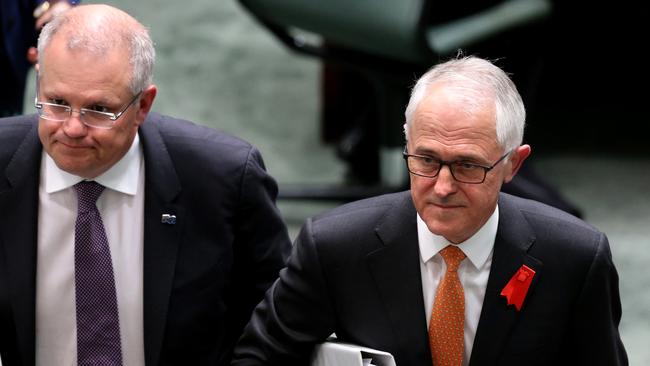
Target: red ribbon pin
{"type": "Point", "coordinates": [517, 288]}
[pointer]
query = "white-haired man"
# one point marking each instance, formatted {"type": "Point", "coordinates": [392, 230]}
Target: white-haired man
{"type": "Point", "coordinates": [452, 272]}
{"type": "Point", "coordinates": [126, 237]}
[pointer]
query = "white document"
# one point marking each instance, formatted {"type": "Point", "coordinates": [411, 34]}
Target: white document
{"type": "Point", "coordinates": [333, 353]}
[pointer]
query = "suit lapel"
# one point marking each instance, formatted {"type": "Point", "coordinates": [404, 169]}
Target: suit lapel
{"type": "Point", "coordinates": [19, 225]}
{"type": "Point", "coordinates": [18, 230]}
{"type": "Point", "coordinates": [395, 268]}
{"type": "Point", "coordinates": [514, 238]}
{"type": "Point", "coordinates": [161, 240]}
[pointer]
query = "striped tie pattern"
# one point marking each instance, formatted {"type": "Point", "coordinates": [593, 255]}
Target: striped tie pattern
{"type": "Point", "coordinates": [98, 326]}
{"type": "Point", "coordinates": [448, 314]}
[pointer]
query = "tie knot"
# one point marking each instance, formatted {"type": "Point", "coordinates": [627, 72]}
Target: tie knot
{"type": "Point", "coordinates": [87, 194]}
{"type": "Point", "coordinates": [452, 256]}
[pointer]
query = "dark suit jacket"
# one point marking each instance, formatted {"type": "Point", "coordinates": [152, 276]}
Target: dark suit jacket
{"type": "Point", "coordinates": [202, 276]}
{"type": "Point", "coordinates": [17, 34]}
{"type": "Point", "coordinates": [355, 271]}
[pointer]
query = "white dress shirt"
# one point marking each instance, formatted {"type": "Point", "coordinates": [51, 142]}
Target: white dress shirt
{"type": "Point", "coordinates": [121, 206]}
{"type": "Point", "coordinates": [473, 271]}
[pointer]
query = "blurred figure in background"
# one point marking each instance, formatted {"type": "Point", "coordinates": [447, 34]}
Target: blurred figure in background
{"type": "Point", "coordinates": [20, 23]}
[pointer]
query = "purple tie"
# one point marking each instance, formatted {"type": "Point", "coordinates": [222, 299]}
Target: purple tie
{"type": "Point", "coordinates": [98, 325]}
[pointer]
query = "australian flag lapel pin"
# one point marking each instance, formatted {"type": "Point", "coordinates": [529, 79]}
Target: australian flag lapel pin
{"type": "Point", "coordinates": [168, 219]}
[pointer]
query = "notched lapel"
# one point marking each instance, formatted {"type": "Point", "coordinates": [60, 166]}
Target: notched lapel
{"type": "Point", "coordinates": [395, 268]}
{"type": "Point", "coordinates": [18, 236]}
{"type": "Point", "coordinates": [514, 238]}
{"type": "Point", "coordinates": [160, 251]}
{"type": "Point", "coordinates": [161, 237]}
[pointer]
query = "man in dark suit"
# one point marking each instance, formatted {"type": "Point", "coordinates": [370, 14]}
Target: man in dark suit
{"type": "Point", "coordinates": [525, 284]}
{"type": "Point", "coordinates": [20, 22]}
{"type": "Point", "coordinates": [188, 212]}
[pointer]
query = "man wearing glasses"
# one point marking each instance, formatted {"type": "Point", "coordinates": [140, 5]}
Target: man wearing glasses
{"type": "Point", "coordinates": [126, 237]}
{"type": "Point", "coordinates": [452, 272]}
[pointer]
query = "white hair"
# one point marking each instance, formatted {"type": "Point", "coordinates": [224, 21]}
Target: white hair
{"type": "Point", "coordinates": [102, 32]}
{"type": "Point", "coordinates": [475, 82]}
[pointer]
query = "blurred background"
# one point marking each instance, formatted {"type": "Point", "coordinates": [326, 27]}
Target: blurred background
{"type": "Point", "coordinates": [577, 65]}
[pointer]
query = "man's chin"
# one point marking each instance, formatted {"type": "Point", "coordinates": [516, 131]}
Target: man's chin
{"type": "Point", "coordinates": [445, 223]}
{"type": "Point", "coordinates": [444, 213]}
{"type": "Point", "coordinates": [74, 167]}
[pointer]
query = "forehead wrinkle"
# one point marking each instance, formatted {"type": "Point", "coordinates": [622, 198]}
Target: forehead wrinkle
{"type": "Point", "coordinates": [92, 72]}
{"type": "Point", "coordinates": [448, 125]}
{"type": "Point", "coordinates": [76, 90]}
{"type": "Point", "coordinates": [462, 141]}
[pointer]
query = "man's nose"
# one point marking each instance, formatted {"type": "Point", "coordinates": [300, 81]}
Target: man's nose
{"type": "Point", "coordinates": [445, 183]}
{"type": "Point", "coordinates": [74, 126]}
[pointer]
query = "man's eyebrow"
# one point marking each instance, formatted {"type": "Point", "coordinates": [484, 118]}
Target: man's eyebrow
{"type": "Point", "coordinates": [428, 152]}
{"type": "Point", "coordinates": [469, 158]}
{"type": "Point", "coordinates": [90, 101]}
{"type": "Point", "coordinates": [424, 151]}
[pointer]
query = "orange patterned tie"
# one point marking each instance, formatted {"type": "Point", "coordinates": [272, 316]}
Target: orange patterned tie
{"type": "Point", "coordinates": [448, 314]}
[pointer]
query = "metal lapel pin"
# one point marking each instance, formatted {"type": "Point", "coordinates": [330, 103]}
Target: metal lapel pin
{"type": "Point", "coordinates": [168, 219]}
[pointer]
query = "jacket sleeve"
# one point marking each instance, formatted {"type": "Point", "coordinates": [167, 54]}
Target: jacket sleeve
{"type": "Point", "coordinates": [261, 246]}
{"type": "Point", "coordinates": [296, 313]}
{"type": "Point", "coordinates": [593, 336]}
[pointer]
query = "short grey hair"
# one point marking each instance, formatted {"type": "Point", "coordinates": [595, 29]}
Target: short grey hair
{"type": "Point", "coordinates": [102, 32]}
{"type": "Point", "coordinates": [475, 82]}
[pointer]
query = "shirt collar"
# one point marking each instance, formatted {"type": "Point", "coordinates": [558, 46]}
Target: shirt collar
{"type": "Point", "coordinates": [121, 177]}
{"type": "Point", "coordinates": [477, 248]}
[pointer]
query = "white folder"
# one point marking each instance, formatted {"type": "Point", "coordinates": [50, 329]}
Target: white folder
{"type": "Point", "coordinates": [334, 353]}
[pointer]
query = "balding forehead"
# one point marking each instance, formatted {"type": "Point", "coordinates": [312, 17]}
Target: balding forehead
{"type": "Point", "coordinates": [98, 20]}
{"type": "Point", "coordinates": [99, 13]}
{"type": "Point", "coordinates": [97, 29]}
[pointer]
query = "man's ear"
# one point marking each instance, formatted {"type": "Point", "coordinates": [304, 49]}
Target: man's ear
{"type": "Point", "coordinates": [145, 102]}
{"type": "Point", "coordinates": [515, 160]}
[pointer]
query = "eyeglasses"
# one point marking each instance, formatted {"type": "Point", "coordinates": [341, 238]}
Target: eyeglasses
{"type": "Point", "coordinates": [89, 117]}
{"type": "Point", "coordinates": [461, 171]}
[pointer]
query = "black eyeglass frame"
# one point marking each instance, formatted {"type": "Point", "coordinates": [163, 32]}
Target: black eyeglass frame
{"type": "Point", "coordinates": [451, 165]}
